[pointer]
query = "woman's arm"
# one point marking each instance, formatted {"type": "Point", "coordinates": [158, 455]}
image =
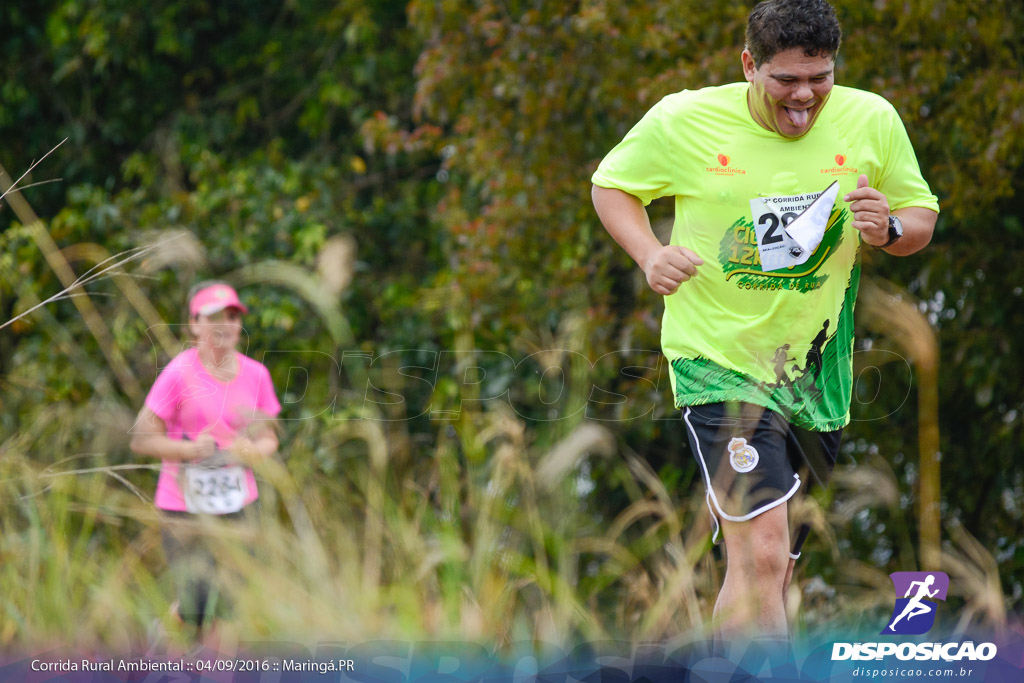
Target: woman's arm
{"type": "Point", "coordinates": [262, 444]}
{"type": "Point", "coordinates": [149, 437]}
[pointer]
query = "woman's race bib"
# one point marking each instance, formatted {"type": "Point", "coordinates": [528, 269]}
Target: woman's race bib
{"type": "Point", "coordinates": [214, 490]}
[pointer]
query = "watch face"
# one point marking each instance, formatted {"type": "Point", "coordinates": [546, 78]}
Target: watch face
{"type": "Point", "coordinates": [895, 225]}
{"type": "Point", "coordinates": [895, 230]}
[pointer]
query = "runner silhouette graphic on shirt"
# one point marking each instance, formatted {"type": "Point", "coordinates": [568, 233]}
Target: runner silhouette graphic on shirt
{"type": "Point", "coordinates": [915, 606]}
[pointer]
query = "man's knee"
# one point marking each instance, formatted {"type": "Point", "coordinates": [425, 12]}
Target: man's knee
{"type": "Point", "coordinates": [760, 544]}
{"type": "Point", "coordinates": [771, 559]}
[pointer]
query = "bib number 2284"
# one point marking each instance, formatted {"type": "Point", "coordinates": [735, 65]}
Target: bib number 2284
{"type": "Point", "coordinates": [215, 490]}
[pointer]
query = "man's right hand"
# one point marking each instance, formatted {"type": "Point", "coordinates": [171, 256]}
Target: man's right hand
{"type": "Point", "coordinates": [668, 267]}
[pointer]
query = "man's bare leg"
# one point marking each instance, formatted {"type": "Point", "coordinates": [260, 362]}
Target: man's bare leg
{"type": "Point", "coordinates": [757, 568]}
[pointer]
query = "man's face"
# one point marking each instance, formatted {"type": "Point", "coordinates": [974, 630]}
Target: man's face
{"type": "Point", "coordinates": [788, 92]}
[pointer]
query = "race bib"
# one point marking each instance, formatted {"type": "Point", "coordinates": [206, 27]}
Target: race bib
{"type": "Point", "coordinates": [215, 490]}
{"type": "Point", "coordinates": [790, 228]}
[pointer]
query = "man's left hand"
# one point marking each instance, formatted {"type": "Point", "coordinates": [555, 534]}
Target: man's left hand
{"type": "Point", "coordinates": [870, 213]}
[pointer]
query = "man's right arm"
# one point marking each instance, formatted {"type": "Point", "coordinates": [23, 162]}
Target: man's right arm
{"type": "Point", "coordinates": [625, 219]}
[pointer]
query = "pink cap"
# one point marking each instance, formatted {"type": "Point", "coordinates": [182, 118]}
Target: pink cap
{"type": "Point", "coordinates": [214, 299]}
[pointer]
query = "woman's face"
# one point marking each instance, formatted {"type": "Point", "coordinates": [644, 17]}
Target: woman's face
{"type": "Point", "coordinates": [220, 330]}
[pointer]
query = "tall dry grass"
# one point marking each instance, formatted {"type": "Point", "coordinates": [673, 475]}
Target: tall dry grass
{"type": "Point", "coordinates": [486, 534]}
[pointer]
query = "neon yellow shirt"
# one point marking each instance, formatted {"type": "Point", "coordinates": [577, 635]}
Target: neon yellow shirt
{"type": "Point", "coordinates": [781, 339]}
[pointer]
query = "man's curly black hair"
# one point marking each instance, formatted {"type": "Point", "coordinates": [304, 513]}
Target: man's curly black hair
{"type": "Point", "coordinates": [778, 25]}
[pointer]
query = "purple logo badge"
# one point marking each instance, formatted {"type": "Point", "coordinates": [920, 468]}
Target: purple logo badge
{"type": "Point", "coordinates": [916, 593]}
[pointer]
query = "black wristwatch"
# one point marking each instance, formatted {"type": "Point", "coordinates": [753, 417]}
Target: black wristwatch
{"type": "Point", "coordinates": [895, 230]}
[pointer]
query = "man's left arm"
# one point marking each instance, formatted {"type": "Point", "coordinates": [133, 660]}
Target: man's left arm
{"type": "Point", "coordinates": [871, 216]}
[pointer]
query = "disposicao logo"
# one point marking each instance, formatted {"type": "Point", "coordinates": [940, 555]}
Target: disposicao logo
{"type": "Point", "coordinates": [914, 614]}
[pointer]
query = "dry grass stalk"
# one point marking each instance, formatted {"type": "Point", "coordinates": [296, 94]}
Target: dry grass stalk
{"type": "Point", "coordinates": [893, 311]}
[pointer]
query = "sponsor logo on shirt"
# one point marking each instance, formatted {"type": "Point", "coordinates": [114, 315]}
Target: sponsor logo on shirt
{"type": "Point", "coordinates": [723, 167]}
{"type": "Point", "coordinates": [841, 167]}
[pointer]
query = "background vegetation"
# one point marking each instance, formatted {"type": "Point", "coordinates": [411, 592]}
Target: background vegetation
{"type": "Point", "coordinates": [401, 192]}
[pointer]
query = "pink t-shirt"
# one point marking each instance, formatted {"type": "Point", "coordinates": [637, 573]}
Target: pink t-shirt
{"type": "Point", "coordinates": [192, 402]}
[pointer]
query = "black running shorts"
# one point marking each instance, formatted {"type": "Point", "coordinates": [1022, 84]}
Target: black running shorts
{"type": "Point", "coordinates": [752, 460]}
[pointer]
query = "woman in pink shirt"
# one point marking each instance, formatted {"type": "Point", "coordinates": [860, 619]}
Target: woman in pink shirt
{"type": "Point", "coordinates": [209, 415]}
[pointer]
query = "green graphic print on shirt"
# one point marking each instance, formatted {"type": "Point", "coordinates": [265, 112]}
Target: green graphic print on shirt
{"type": "Point", "coordinates": [740, 258]}
{"type": "Point", "coordinates": [809, 391]}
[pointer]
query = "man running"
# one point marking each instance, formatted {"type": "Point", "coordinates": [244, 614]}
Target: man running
{"type": "Point", "coordinates": [779, 182]}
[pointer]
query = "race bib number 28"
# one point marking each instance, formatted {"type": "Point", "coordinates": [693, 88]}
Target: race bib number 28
{"type": "Point", "coordinates": [215, 490]}
{"type": "Point", "coordinates": [790, 228]}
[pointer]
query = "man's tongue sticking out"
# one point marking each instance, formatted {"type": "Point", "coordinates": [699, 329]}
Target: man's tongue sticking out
{"type": "Point", "coordinates": [798, 116]}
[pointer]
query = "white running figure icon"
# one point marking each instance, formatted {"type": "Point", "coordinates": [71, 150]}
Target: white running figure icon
{"type": "Point", "coordinates": [915, 607]}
